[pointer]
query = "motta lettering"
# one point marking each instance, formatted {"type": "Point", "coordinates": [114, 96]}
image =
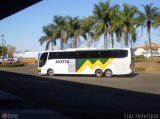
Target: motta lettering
{"type": "Point", "coordinates": [62, 61]}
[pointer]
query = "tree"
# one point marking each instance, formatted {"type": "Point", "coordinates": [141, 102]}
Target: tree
{"type": "Point", "coordinates": [49, 37]}
{"type": "Point", "coordinates": [127, 21]}
{"type": "Point", "coordinates": [87, 26]}
{"type": "Point", "coordinates": [11, 49]}
{"type": "Point", "coordinates": [60, 24]}
{"type": "Point", "coordinates": [102, 13]}
{"type": "Point", "coordinates": [148, 19]}
{"type": "Point", "coordinates": [74, 30]}
{"type": "Point", "coordinates": [114, 23]}
{"type": "Point", "coordinates": [3, 50]}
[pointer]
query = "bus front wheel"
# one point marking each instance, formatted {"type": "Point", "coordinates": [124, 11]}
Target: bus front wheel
{"type": "Point", "coordinates": [108, 73]}
{"type": "Point", "coordinates": [50, 72]}
{"type": "Point", "coordinates": [99, 73]}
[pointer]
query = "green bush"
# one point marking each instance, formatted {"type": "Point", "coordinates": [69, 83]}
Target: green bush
{"type": "Point", "coordinates": [140, 58]}
{"type": "Point", "coordinates": [12, 65]}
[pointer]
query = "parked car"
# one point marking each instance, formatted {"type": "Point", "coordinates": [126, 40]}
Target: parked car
{"type": "Point", "coordinates": [9, 60]}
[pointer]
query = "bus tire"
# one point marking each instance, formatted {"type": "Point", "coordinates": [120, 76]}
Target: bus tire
{"type": "Point", "coordinates": [108, 73]}
{"type": "Point", "coordinates": [50, 72]}
{"type": "Point", "coordinates": [99, 73]}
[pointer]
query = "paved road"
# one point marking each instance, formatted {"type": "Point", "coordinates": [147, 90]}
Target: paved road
{"type": "Point", "coordinates": [81, 96]}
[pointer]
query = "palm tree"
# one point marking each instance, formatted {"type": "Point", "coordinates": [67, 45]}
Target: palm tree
{"type": "Point", "coordinates": [102, 13]}
{"type": "Point", "coordinates": [74, 30]}
{"type": "Point", "coordinates": [87, 26]}
{"type": "Point", "coordinates": [114, 23]}
{"type": "Point", "coordinates": [49, 37]}
{"type": "Point", "coordinates": [127, 21]}
{"type": "Point", "coordinates": [60, 28]}
{"type": "Point", "coordinates": [148, 19]}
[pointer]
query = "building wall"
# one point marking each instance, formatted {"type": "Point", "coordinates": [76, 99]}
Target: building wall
{"type": "Point", "coordinates": [27, 55]}
{"type": "Point", "coordinates": [141, 51]}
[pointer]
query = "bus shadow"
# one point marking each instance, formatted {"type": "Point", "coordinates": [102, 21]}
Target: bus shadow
{"type": "Point", "coordinates": [83, 101]}
{"type": "Point", "coordinates": [85, 75]}
{"type": "Point", "coordinates": [127, 75]}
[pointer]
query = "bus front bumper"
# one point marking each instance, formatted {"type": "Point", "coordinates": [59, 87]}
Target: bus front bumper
{"type": "Point", "coordinates": [39, 70]}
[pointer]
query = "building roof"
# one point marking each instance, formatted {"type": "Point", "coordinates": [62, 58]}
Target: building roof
{"type": "Point", "coordinates": [9, 7]}
{"type": "Point", "coordinates": [146, 46]}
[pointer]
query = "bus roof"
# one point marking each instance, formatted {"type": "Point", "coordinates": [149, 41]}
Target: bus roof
{"type": "Point", "coordinates": [86, 49]}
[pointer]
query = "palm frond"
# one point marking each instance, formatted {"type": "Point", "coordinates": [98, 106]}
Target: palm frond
{"type": "Point", "coordinates": [43, 39]}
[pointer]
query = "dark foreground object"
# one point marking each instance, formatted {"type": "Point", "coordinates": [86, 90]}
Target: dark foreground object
{"type": "Point", "coordinates": [46, 98]}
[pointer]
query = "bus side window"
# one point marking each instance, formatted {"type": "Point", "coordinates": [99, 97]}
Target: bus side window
{"type": "Point", "coordinates": [52, 55]}
{"type": "Point", "coordinates": [106, 54]}
{"type": "Point", "coordinates": [77, 55]}
{"type": "Point", "coordinates": [123, 53]}
{"type": "Point", "coordinates": [81, 54]}
{"type": "Point", "coordinates": [62, 55]}
{"type": "Point", "coordinates": [115, 54]}
{"type": "Point", "coordinates": [88, 54]}
{"type": "Point", "coordinates": [71, 55]}
{"type": "Point", "coordinates": [93, 54]}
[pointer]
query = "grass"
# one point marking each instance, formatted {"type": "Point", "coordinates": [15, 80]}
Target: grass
{"type": "Point", "coordinates": [11, 65]}
{"type": "Point", "coordinates": [140, 69]}
{"type": "Point", "coordinates": [140, 58]}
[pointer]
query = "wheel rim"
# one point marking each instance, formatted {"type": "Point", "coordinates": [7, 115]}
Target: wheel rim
{"type": "Point", "coordinates": [51, 72]}
{"type": "Point", "coordinates": [98, 73]}
{"type": "Point", "coordinates": [108, 73]}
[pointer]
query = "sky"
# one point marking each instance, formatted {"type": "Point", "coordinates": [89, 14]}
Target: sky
{"type": "Point", "coordinates": [24, 28]}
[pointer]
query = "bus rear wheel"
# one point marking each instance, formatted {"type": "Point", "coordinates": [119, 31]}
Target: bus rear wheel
{"type": "Point", "coordinates": [50, 72]}
{"type": "Point", "coordinates": [99, 73]}
{"type": "Point", "coordinates": [108, 73]}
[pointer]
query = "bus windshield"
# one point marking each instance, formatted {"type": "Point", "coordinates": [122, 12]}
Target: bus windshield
{"type": "Point", "coordinates": [43, 59]}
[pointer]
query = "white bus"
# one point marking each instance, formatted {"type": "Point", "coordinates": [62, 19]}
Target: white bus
{"type": "Point", "coordinates": [99, 62]}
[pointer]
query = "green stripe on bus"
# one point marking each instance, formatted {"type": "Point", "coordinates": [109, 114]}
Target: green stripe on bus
{"type": "Point", "coordinates": [80, 62]}
{"type": "Point", "coordinates": [103, 60]}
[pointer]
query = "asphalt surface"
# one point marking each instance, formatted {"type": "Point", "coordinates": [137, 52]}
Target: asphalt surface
{"type": "Point", "coordinates": [79, 96]}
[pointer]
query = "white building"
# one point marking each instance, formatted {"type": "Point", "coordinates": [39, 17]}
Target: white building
{"type": "Point", "coordinates": [26, 55]}
{"type": "Point", "coordinates": [144, 50]}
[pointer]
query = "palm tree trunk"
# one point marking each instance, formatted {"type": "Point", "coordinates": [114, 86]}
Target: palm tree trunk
{"type": "Point", "coordinates": [89, 40]}
{"type": "Point", "coordinates": [52, 46]}
{"type": "Point", "coordinates": [126, 36]}
{"type": "Point", "coordinates": [149, 38]}
{"type": "Point", "coordinates": [105, 40]}
{"type": "Point", "coordinates": [61, 43]}
{"type": "Point", "coordinates": [75, 43]}
{"type": "Point", "coordinates": [112, 40]}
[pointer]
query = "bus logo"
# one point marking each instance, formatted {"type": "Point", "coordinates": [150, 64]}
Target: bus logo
{"type": "Point", "coordinates": [62, 61]}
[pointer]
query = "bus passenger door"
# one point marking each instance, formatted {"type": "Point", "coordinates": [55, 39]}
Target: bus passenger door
{"type": "Point", "coordinates": [72, 66]}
